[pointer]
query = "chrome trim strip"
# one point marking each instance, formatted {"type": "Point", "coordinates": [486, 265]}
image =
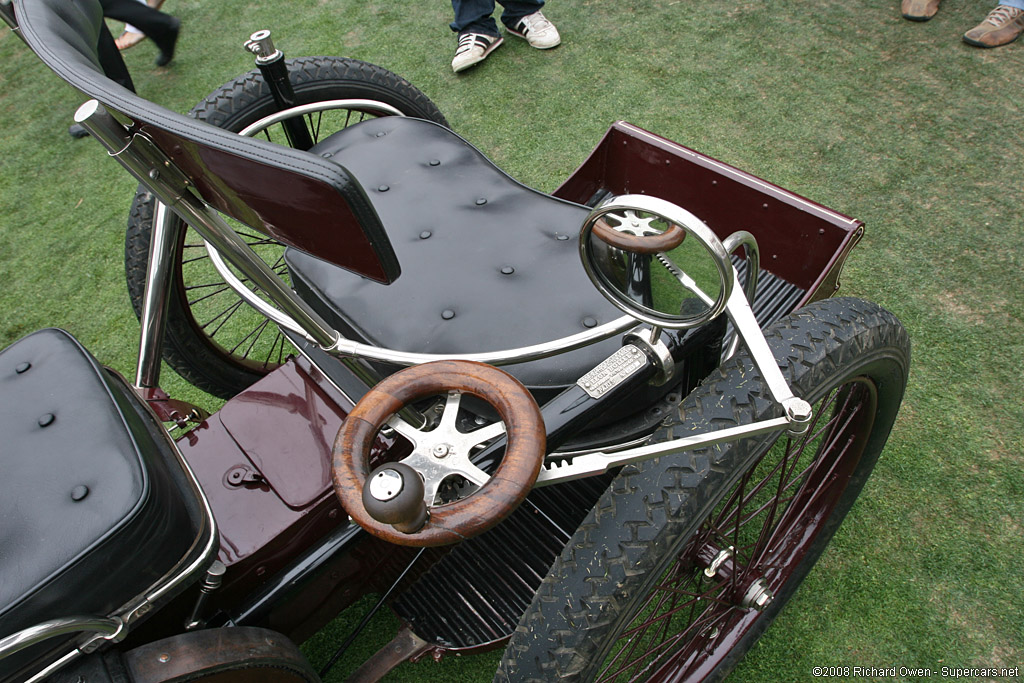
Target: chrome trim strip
{"type": "Point", "coordinates": [108, 628]}
{"type": "Point", "coordinates": [314, 107]}
{"type": "Point", "coordinates": [742, 238]}
{"type": "Point", "coordinates": [597, 463]}
{"type": "Point", "coordinates": [346, 347]}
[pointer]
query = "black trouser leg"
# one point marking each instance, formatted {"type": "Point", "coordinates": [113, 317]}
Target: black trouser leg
{"type": "Point", "coordinates": [159, 27]}
{"type": "Point", "coordinates": [110, 59]}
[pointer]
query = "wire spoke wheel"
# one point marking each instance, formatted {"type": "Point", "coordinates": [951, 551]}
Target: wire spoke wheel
{"type": "Point", "coordinates": [213, 339]}
{"type": "Point", "coordinates": [216, 312]}
{"type": "Point", "coordinates": [758, 533]}
{"type": "Point", "coordinates": [686, 560]}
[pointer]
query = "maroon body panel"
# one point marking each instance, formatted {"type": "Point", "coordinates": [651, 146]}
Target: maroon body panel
{"type": "Point", "coordinates": [264, 462]}
{"type": "Point", "coordinates": [800, 241]}
{"type": "Point", "coordinates": [294, 209]}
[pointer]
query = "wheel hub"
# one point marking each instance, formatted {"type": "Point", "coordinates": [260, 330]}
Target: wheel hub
{"type": "Point", "coordinates": [750, 591]}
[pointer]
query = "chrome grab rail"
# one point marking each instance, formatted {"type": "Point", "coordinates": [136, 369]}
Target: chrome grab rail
{"type": "Point", "coordinates": [109, 628]}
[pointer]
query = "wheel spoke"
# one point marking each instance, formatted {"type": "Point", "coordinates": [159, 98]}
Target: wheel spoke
{"type": "Point", "coordinates": [485, 434]}
{"type": "Point", "coordinates": [223, 316]}
{"type": "Point", "coordinates": [208, 295]}
{"type": "Point", "coordinates": [451, 412]}
{"type": "Point", "coordinates": [252, 337]}
{"type": "Point", "coordinates": [777, 494]}
{"type": "Point", "coordinates": [405, 429]}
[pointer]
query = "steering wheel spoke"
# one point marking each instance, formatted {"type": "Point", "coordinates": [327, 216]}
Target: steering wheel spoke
{"type": "Point", "coordinates": [405, 429]}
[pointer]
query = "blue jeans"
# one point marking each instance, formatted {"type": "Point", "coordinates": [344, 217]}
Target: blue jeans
{"type": "Point", "coordinates": [474, 16]}
{"type": "Point", "coordinates": [1019, 4]}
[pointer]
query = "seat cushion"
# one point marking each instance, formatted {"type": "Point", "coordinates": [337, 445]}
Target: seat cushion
{"type": "Point", "coordinates": [91, 513]}
{"type": "Point", "coordinates": [487, 263]}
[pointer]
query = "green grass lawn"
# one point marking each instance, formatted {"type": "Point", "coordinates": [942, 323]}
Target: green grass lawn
{"type": "Point", "coordinates": [896, 123]}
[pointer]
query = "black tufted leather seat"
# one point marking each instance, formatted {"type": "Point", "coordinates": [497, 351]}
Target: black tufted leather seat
{"type": "Point", "coordinates": [487, 263]}
{"type": "Point", "coordinates": [91, 512]}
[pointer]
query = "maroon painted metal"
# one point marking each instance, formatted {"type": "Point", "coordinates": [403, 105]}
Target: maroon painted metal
{"type": "Point", "coordinates": [264, 461]}
{"type": "Point", "coordinates": [292, 208]}
{"type": "Point", "coordinates": [630, 160]}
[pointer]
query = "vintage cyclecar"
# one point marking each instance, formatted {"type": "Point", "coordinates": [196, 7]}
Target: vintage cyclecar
{"type": "Point", "coordinates": [608, 429]}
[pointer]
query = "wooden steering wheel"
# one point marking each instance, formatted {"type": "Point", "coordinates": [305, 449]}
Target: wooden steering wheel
{"type": "Point", "coordinates": [636, 235]}
{"type": "Point", "coordinates": [439, 453]}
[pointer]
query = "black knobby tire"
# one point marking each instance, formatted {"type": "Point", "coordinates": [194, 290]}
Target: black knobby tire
{"type": "Point", "coordinates": [214, 340]}
{"type": "Point", "coordinates": [620, 603]}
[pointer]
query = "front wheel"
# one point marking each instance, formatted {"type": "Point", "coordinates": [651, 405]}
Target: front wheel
{"type": "Point", "coordinates": [685, 560]}
{"type": "Point", "coordinates": [213, 339]}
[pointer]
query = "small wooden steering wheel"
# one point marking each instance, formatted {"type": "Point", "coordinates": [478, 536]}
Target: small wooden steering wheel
{"type": "Point", "coordinates": [636, 235]}
{"type": "Point", "coordinates": [444, 450]}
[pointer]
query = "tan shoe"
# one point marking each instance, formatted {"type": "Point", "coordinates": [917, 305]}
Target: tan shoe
{"type": "Point", "coordinates": [1003, 25]}
{"type": "Point", "coordinates": [919, 10]}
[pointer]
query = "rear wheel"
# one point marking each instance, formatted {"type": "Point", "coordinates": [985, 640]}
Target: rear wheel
{"type": "Point", "coordinates": [213, 339]}
{"type": "Point", "coordinates": [686, 560]}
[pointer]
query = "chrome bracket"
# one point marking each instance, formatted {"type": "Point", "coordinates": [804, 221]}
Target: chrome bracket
{"type": "Point", "coordinates": [656, 348]}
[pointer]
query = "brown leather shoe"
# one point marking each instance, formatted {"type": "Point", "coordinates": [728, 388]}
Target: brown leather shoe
{"type": "Point", "coordinates": [1003, 25]}
{"type": "Point", "coordinates": [919, 10]}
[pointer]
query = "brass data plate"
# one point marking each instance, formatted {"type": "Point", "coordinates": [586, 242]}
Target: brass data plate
{"type": "Point", "coordinates": [612, 371]}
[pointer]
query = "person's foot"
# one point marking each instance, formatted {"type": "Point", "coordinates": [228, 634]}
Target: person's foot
{"type": "Point", "coordinates": [538, 31]}
{"type": "Point", "coordinates": [78, 131]}
{"type": "Point", "coordinates": [167, 44]}
{"type": "Point", "coordinates": [473, 48]}
{"type": "Point", "coordinates": [919, 10]}
{"type": "Point", "coordinates": [1003, 25]}
{"type": "Point", "coordinates": [155, 4]}
{"type": "Point", "coordinates": [129, 39]}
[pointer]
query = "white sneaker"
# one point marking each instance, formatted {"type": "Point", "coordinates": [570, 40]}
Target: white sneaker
{"type": "Point", "coordinates": [473, 49]}
{"type": "Point", "coordinates": [537, 30]}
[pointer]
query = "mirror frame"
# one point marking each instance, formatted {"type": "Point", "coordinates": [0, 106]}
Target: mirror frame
{"type": "Point", "coordinates": [673, 215]}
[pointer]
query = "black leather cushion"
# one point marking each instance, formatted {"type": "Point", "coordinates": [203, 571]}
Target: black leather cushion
{"type": "Point", "coordinates": [459, 225]}
{"type": "Point", "coordinates": [91, 514]}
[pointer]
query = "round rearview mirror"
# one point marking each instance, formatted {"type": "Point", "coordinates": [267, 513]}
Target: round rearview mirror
{"type": "Point", "coordinates": [656, 261]}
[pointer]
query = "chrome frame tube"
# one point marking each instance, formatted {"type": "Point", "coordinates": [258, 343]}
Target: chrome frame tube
{"type": "Point", "coordinates": [153, 317]}
{"type": "Point", "coordinates": [592, 464]}
{"type": "Point", "coordinates": [346, 347]}
{"type": "Point", "coordinates": [742, 316]}
{"type": "Point", "coordinates": [314, 107]}
{"type": "Point", "coordinates": [742, 238]}
{"type": "Point", "coordinates": [108, 628]}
